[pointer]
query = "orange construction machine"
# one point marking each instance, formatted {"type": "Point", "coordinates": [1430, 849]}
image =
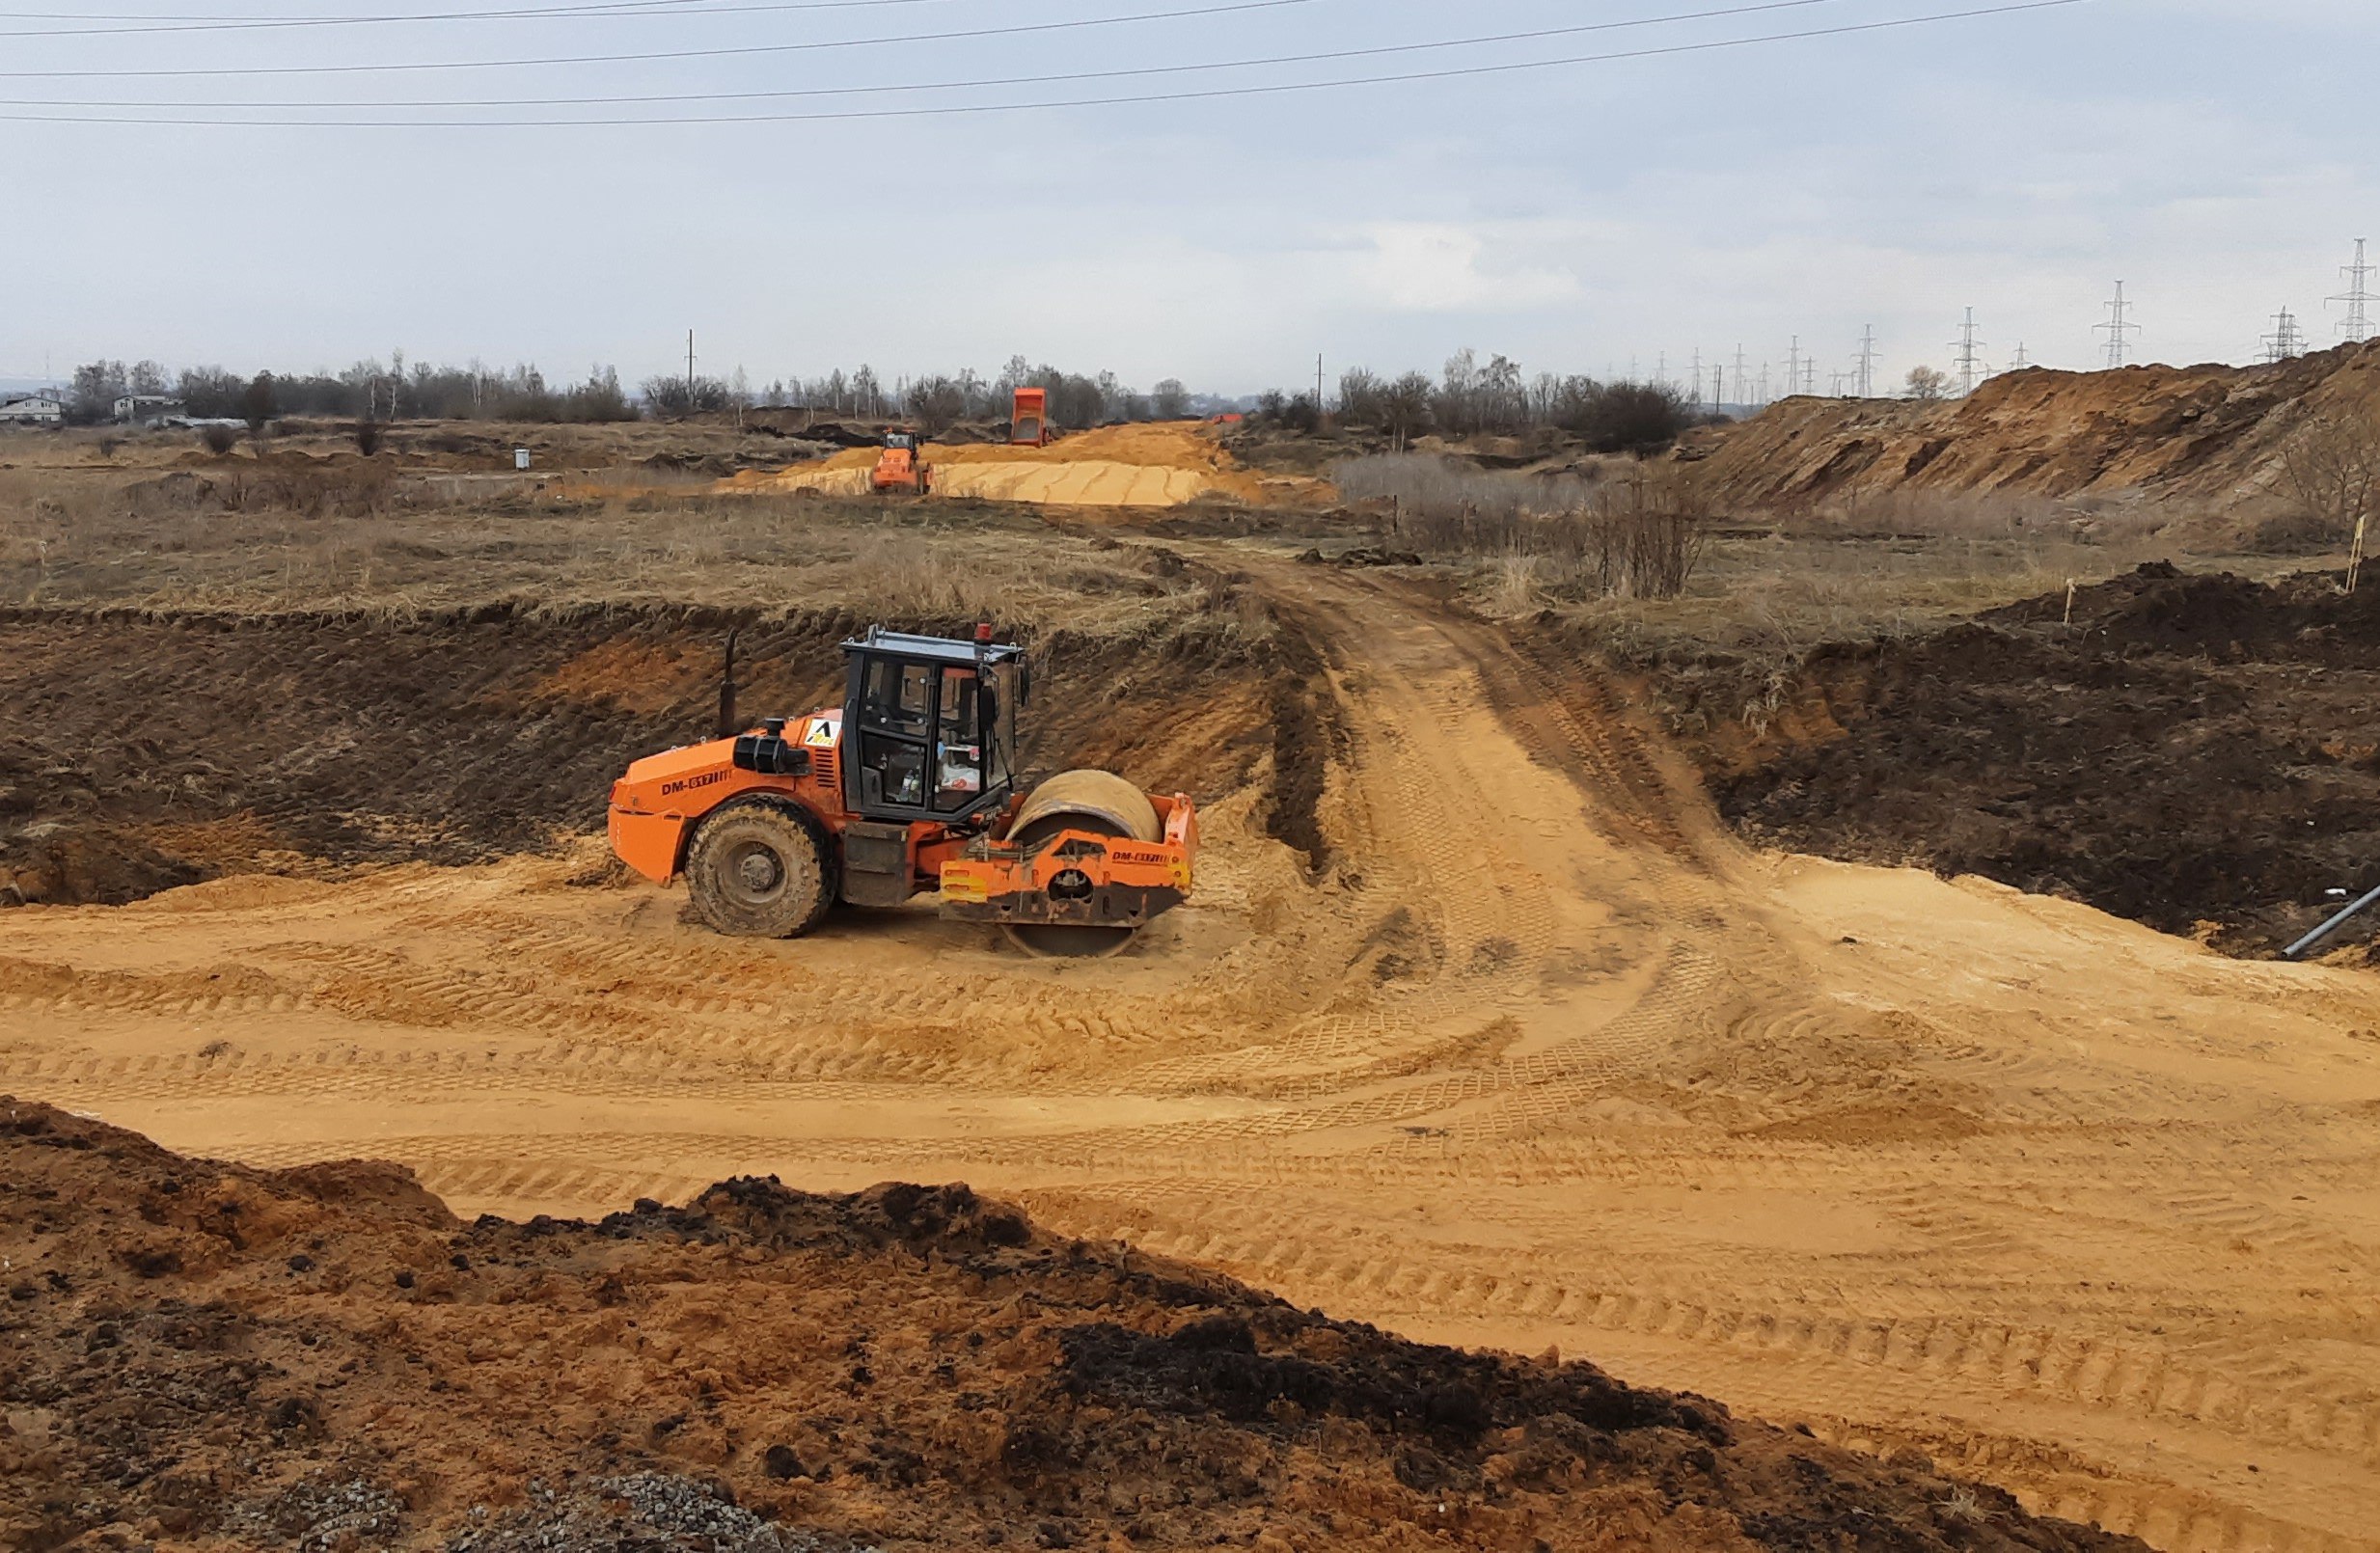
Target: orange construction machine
{"type": "Point", "coordinates": [902, 466]}
{"type": "Point", "coordinates": [909, 786]}
{"type": "Point", "coordinates": [1029, 420]}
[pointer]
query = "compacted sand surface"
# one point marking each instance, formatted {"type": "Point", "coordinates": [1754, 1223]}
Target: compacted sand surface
{"type": "Point", "coordinates": [1507, 1043]}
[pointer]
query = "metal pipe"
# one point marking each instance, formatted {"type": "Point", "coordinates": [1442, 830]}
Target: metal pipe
{"type": "Point", "coordinates": [2311, 939]}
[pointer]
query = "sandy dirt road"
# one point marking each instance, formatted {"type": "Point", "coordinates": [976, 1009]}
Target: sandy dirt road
{"type": "Point", "coordinates": [1540, 1058]}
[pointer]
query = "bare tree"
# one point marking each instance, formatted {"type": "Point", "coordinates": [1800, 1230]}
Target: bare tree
{"type": "Point", "coordinates": [1405, 408]}
{"type": "Point", "coordinates": [2333, 469]}
{"type": "Point", "coordinates": [1169, 400]}
{"type": "Point", "coordinates": [1925, 384]}
{"type": "Point", "coordinates": [259, 405]}
{"type": "Point", "coordinates": [936, 403]}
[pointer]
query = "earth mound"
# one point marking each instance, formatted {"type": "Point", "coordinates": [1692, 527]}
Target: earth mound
{"type": "Point", "coordinates": [202, 1355]}
{"type": "Point", "coordinates": [2193, 751]}
{"type": "Point", "coordinates": [2210, 433]}
{"type": "Point", "coordinates": [1159, 465]}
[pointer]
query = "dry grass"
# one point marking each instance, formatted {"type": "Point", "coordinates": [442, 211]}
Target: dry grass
{"type": "Point", "coordinates": [1427, 488]}
{"type": "Point", "coordinates": [1632, 531]}
{"type": "Point", "coordinates": [366, 537]}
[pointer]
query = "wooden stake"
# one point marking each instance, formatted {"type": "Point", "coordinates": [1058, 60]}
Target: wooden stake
{"type": "Point", "coordinates": [2069, 601]}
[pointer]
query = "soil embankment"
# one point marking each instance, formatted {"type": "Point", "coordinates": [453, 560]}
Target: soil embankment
{"type": "Point", "coordinates": [2196, 752]}
{"type": "Point", "coordinates": [204, 1355]}
{"type": "Point", "coordinates": [148, 750]}
{"type": "Point", "coordinates": [2210, 434]}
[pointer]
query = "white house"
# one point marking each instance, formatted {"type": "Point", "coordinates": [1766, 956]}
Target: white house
{"type": "Point", "coordinates": [146, 409]}
{"type": "Point", "coordinates": [41, 408]}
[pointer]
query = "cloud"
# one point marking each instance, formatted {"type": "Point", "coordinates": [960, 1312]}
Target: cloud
{"type": "Point", "coordinates": [1440, 268]}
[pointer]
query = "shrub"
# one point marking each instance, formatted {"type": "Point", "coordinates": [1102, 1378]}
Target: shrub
{"type": "Point", "coordinates": [218, 440]}
{"type": "Point", "coordinates": [367, 436]}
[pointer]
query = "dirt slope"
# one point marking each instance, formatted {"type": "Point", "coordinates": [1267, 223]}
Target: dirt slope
{"type": "Point", "coordinates": [1538, 1056]}
{"type": "Point", "coordinates": [2208, 433]}
{"type": "Point", "coordinates": [2185, 749]}
{"type": "Point", "coordinates": [203, 1355]}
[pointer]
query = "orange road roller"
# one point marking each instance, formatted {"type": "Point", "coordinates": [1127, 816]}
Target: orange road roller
{"type": "Point", "coordinates": [911, 786]}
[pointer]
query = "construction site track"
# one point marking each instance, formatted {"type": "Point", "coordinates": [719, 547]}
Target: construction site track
{"type": "Point", "coordinates": [1482, 1026]}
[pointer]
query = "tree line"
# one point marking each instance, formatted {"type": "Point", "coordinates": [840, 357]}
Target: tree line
{"type": "Point", "coordinates": [934, 402]}
{"type": "Point", "coordinates": [400, 390]}
{"type": "Point", "coordinates": [1467, 399]}
{"type": "Point", "coordinates": [368, 391]}
{"type": "Point", "coordinates": [1497, 398]}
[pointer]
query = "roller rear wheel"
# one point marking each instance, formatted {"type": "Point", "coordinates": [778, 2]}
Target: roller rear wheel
{"type": "Point", "coordinates": [761, 871]}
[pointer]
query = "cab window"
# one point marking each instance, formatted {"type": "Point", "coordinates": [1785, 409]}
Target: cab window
{"type": "Point", "coordinates": [894, 697]}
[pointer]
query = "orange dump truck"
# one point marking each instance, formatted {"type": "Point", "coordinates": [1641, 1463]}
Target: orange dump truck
{"type": "Point", "coordinates": [1029, 420]}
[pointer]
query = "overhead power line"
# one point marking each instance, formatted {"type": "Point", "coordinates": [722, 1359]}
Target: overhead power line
{"type": "Point", "coordinates": [1020, 29]}
{"type": "Point", "coordinates": [1201, 95]}
{"type": "Point", "coordinates": [606, 10]}
{"type": "Point", "coordinates": [1057, 78]}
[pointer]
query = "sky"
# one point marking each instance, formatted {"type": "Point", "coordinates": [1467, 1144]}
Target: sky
{"type": "Point", "coordinates": [1604, 216]}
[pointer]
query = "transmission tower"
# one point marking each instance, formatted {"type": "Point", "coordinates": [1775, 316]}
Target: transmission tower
{"type": "Point", "coordinates": [1762, 399]}
{"type": "Point", "coordinates": [1695, 374]}
{"type": "Point", "coordinates": [2020, 363]}
{"type": "Point", "coordinates": [2287, 340]}
{"type": "Point", "coordinates": [1967, 359]}
{"type": "Point", "coordinates": [2357, 297]}
{"type": "Point", "coordinates": [1793, 367]}
{"type": "Point", "coordinates": [1744, 389]}
{"type": "Point", "coordinates": [2118, 329]}
{"type": "Point", "coordinates": [1866, 363]}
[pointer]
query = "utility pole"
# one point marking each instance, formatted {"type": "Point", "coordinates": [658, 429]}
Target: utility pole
{"type": "Point", "coordinates": [1866, 363]}
{"type": "Point", "coordinates": [1967, 359]}
{"type": "Point", "coordinates": [2286, 341]}
{"type": "Point", "coordinates": [689, 371]}
{"type": "Point", "coordinates": [1318, 387]}
{"type": "Point", "coordinates": [1719, 388]}
{"type": "Point", "coordinates": [1762, 401]}
{"type": "Point", "coordinates": [2357, 297]}
{"type": "Point", "coordinates": [2118, 328]}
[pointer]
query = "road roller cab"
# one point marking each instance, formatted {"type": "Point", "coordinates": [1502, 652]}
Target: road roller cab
{"type": "Point", "coordinates": [910, 786]}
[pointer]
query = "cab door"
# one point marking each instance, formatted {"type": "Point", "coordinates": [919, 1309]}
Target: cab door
{"type": "Point", "coordinates": [891, 724]}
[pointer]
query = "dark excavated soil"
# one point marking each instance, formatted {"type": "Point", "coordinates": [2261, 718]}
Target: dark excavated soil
{"type": "Point", "coordinates": [2190, 749]}
{"type": "Point", "coordinates": [143, 751]}
{"type": "Point", "coordinates": [197, 1355]}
